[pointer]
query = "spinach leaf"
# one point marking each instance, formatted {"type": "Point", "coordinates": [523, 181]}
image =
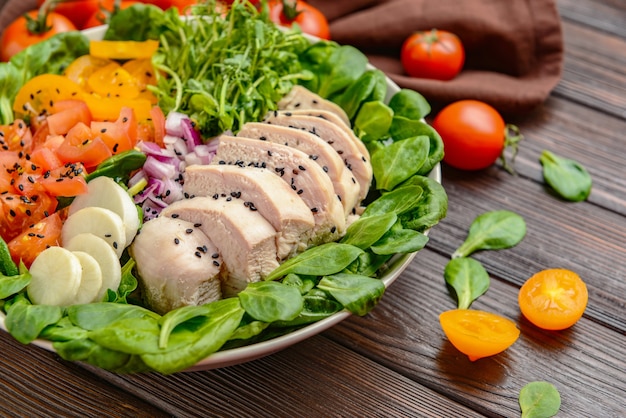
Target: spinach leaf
{"type": "Point", "coordinates": [399, 161]}
{"type": "Point", "coordinates": [468, 278]}
{"type": "Point", "coordinates": [358, 294]}
{"type": "Point", "coordinates": [402, 127]}
{"type": "Point", "coordinates": [196, 338]}
{"type": "Point", "coordinates": [373, 121]}
{"type": "Point", "coordinates": [493, 230]}
{"type": "Point", "coordinates": [10, 285]}
{"type": "Point", "coordinates": [399, 241]}
{"type": "Point", "coordinates": [303, 283]}
{"type": "Point", "coordinates": [401, 200]}
{"type": "Point", "coordinates": [10, 83]}
{"type": "Point", "coordinates": [270, 301]}
{"type": "Point", "coordinates": [63, 330]}
{"type": "Point", "coordinates": [568, 178]}
{"type": "Point", "coordinates": [7, 266]}
{"type": "Point", "coordinates": [368, 263]}
{"type": "Point", "coordinates": [409, 104]}
{"type": "Point", "coordinates": [141, 22]}
{"type": "Point", "coordinates": [431, 207]}
{"type": "Point", "coordinates": [365, 231]}
{"type": "Point", "coordinates": [93, 316]}
{"type": "Point", "coordinates": [119, 167]}
{"type": "Point", "coordinates": [539, 400]}
{"type": "Point", "coordinates": [322, 260]}
{"type": "Point", "coordinates": [317, 306]}
{"type": "Point", "coordinates": [343, 67]}
{"type": "Point", "coordinates": [129, 335]}
{"type": "Point", "coordinates": [25, 321]}
{"type": "Point", "coordinates": [88, 351]}
{"type": "Point", "coordinates": [370, 87]}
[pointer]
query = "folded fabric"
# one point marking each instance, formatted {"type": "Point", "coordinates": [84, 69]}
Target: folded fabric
{"type": "Point", "coordinates": [514, 49]}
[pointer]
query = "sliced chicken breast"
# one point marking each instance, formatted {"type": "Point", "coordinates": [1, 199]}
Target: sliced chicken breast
{"type": "Point", "coordinates": [331, 117]}
{"type": "Point", "coordinates": [273, 198]}
{"type": "Point", "coordinates": [176, 267]}
{"type": "Point", "coordinates": [344, 183]}
{"type": "Point", "coordinates": [302, 98]}
{"type": "Point", "coordinates": [243, 237]}
{"type": "Point", "coordinates": [294, 167]}
{"type": "Point", "coordinates": [345, 145]}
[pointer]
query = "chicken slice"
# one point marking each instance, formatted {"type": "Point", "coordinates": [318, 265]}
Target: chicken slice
{"type": "Point", "coordinates": [176, 267]}
{"type": "Point", "coordinates": [243, 237]}
{"type": "Point", "coordinates": [302, 98]}
{"type": "Point", "coordinates": [346, 145]}
{"type": "Point", "coordinates": [344, 183]}
{"type": "Point", "coordinates": [274, 199]}
{"type": "Point", "coordinates": [294, 167]}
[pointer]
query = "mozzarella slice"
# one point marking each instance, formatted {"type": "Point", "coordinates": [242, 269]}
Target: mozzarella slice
{"type": "Point", "coordinates": [55, 277]}
{"type": "Point", "coordinates": [103, 223]}
{"type": "Point", "coordinates": [104, 192]}
{"type": "Point", "coordinates": [91, 278]}
{"type": "Point", "coordinates": [104, 254]}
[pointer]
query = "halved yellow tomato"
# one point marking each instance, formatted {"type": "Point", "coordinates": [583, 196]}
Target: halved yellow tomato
{"type": "Point", "coordinates": [478, 334]}
{"type": "Point", "coordinates": [553, 299]}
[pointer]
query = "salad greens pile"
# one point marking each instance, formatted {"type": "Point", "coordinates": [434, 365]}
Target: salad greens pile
{"type": "Point", "coordinates": [122, 336]}
{"type": "Point", "coordinates": [222, 73]}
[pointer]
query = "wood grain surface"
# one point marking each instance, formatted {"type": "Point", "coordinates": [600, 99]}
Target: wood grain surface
{"type": "Point", "coordinates": [396, 361]}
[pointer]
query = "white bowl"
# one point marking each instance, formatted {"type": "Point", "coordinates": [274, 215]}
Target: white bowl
{"type": "Point", "coordinates": [391, 271]}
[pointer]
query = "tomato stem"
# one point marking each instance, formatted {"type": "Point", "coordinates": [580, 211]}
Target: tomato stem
{"type": "Point", "coordinates": [38, 25]}
{"type": "Point", "coordinates": [290, 10]}
{"type": "Point", "coordinates": [512, 137]}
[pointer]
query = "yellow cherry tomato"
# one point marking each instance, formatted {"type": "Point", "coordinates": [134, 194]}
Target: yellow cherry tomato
{"type": "Point", "coordinates": [38, 95]}
{"type": "Point", "coordinates": [478, 334]}
{"type": "Point", "coordinates": [553, 299]}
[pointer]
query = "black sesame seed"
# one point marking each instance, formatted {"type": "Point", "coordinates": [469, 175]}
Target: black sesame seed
{"type": "Point", "coordinates": [176, 241]}
{"type": "Point", "coordinates": [115, 245]}
{"type": "Point", "coordinates": [189, 230]}
{"type": "Point", "coordinates": [216, 264]}
{"type": "Point", "coordinates": [175, 215]}
{"type": "Point", "coordinates": [197, 254]}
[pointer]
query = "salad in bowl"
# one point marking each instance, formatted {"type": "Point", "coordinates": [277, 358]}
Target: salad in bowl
{"type": "Point", "coordinates": [188, 193]}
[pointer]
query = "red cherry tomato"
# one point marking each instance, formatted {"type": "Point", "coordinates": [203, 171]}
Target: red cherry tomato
{"type": "Point", "coordinates": [78, 11]}
{"type": "Point", "coordinates": [473, 134]}
{"type": "Point", "coordinates": [310, 19]}
{"type": "Point", "coordinates": [17, 35]}
{"type": "Point", "coordinates": [102, 15]}
{"type": "Point", "coordinates": [435, 54]}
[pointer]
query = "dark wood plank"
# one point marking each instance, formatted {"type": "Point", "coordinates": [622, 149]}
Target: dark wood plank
{"type": "Point", "coordinates": [36, 383]}
{"type": "Point", "coordinates": [593, 72]}
{"type": "Point", "coordinates": [314, 378]}
{"type": "Point", "coordinates": [403, 333]}
{"type": "Point", "coordinates": [601, 15]}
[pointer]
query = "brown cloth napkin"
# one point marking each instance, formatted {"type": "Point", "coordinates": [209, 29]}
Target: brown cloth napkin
{"type": "Point", "coordinates": [514, 48]}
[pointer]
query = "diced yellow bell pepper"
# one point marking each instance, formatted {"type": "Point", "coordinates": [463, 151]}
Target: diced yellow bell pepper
{"type": "Point", "coordinates": [123, 49]}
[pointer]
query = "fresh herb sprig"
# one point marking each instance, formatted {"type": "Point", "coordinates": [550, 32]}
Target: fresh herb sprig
{"type": "Point", "coordinates": [221, 71]}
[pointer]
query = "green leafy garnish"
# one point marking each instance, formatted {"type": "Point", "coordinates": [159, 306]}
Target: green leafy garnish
{"type": "Point", "coordinates": [493, 230]}
{"type": "Point", "coordinates": [539, 400]}
{"type": "Point", "coordinates": [468, 278]}
{"type": "Point", "coordinates": [568, 178]}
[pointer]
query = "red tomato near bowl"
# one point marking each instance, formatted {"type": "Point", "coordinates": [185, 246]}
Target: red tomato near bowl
{"type": "Point", "coordinates": [473, 134]}
{"type": "Point", "coordinates": [17, 35]}
{"type": "Point", "coordinates": [102, 15]}
{"type": "Point", "coordinates": [434, 54]}
{"type": "Point", "coordinates": [78, 11]}
{"type": "Point", "coordinates": [310, 19]}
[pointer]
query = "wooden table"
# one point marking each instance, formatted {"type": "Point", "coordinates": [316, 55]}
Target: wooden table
{"type": "Point", "coordinates": [396, 360]}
